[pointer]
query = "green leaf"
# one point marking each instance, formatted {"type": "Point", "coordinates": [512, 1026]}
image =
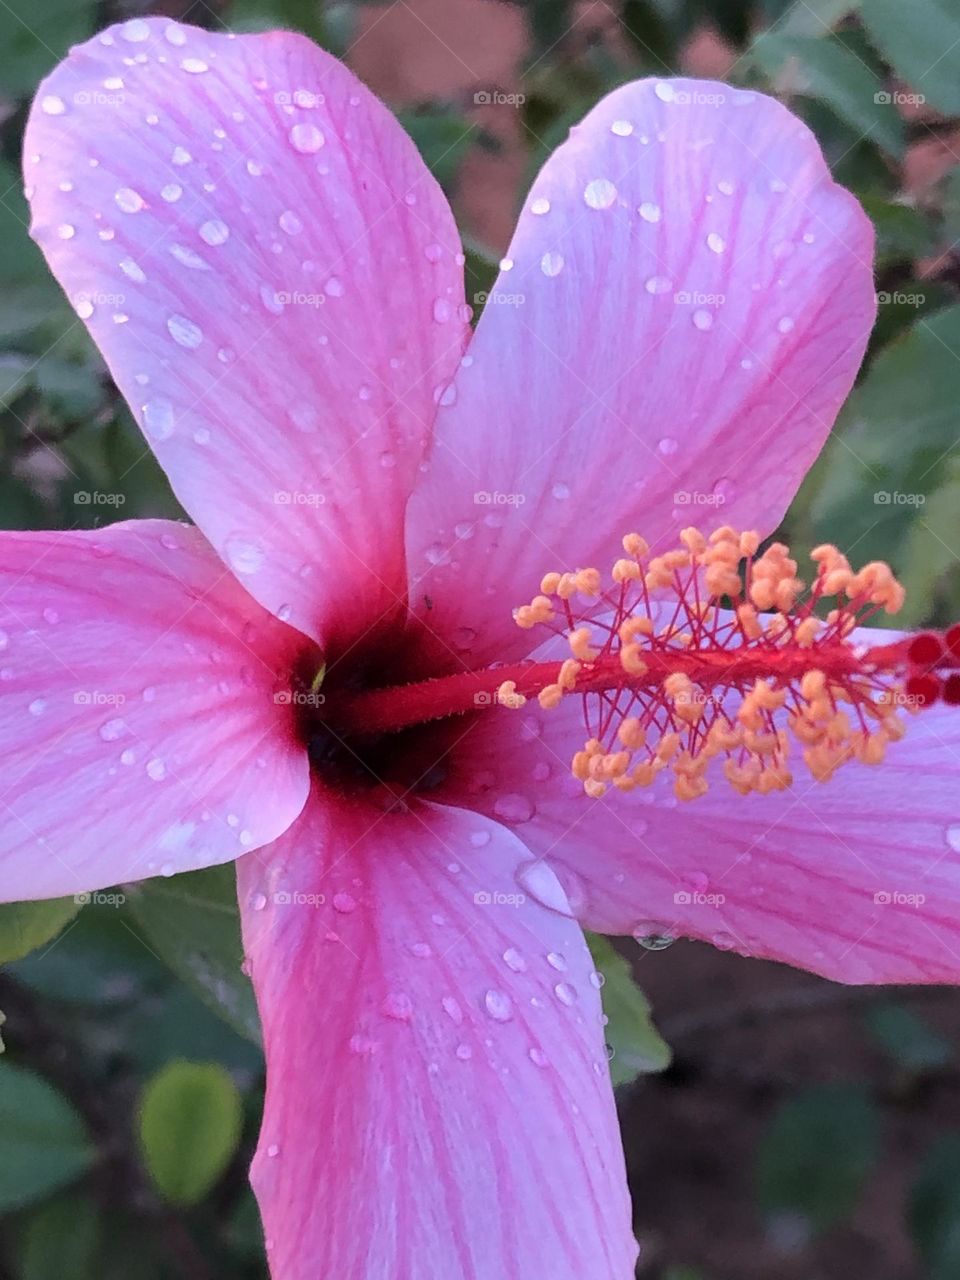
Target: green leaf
{"type": "Point", "coordinates": [45, 1145]}
{"type": "Point", "coordinates": [35, 34]}
{"type": "Point", "coordinates": [812, 18]}
{"type": "Point", "coordinates": [25, 926]}
{"type": "Point", "coordinates": [16, 378]}
{"type": "Point", "coordinates": [194, 923]}
{"type": "Point", "coordinates": [931, 555]}
{"type": "Point", "coordinates": [60, 1240]}
{"type": "Point", "coordinates": [892, 444]}
{"type": "Point", "coordinates": [920, 41]}
{"type": "Point", "coordinates": [933, 1214]}
{"type": "Point", "coordinates": [827, 69]}
{"type": "Point", "coordinates": [442, 138]}
{"type": "Point", "coordinates": [817, 1154]}
{"type": "Point", "coordinates": [902, 233]}
{"type": "Point", "coordinates": [637, 1047]}
{"type": "Point", "coordinates": [191, 1116]}
{"type": "Point", "coordinates": [908, 1041]}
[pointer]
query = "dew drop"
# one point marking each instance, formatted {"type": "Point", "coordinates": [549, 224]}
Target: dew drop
{"type": "Point", "coordinates": [785, 325]}
{"type": "Point", "coordinates": [538, 879]}
{"type": "Point", "coordinates": [244, 555]}
{"type": "Point", "coordinates": [128, 200]}
{"type": "Point", "coordinates": [187, 258]}
{"type": "Point", "coordinates": [397, 1005]}
{"type": "Point", "coordinates": [716, 243]}
{"type": "Point", "coordinates": [344, 903]}
{"type": "Point", "coordinates": [290, 223]}
{"type": "Point", "coordinates": [156, 769]}
{"type": "Point", "coordinates": [668, 446]}
{"type": "Point", "coordinates": [538, 1057]}
{"type": "Point", "coordinates": [37, 707]}
{"type": "Point", "coordinates": [540, 206]}
{"type": "Point", "coordinates": [650, 212]}
{"type": "Point", "coordinates": [452, 1010]}
{"type": "Point", "coordinates": [953, 836]}
{"type": "Point", "coordinates": [194, 66]}
{"type": "Point", "coordinates": [258, 901]}
{"type": "Point", "coordinates": [464, 1052]}
{"type": "Point", "coordinates": [565, 993]}
{"type": "Point", "coordinates": [622, 128]}
{"type": "Point", "coordinates": [703, 320]}
{"type": "Point", "coordinates": [214, 232]}
{"type": "Point", "coordinates": [551, 264]}
{"type": "Point", "coordinates": [498, 1005]}
{"type": "Point", "coordinates": [334, 287]}
{"type": "Point", "coordinates": [306, 138]}
{"type": "Point", "coordinates": [664, 92]}
{"type": "Point", "coordinates": [180, 156]}
{"type": "Point", "coordinates": [51, 105]}
{"type": "Point", "coordinates": [171, 192]}
{"type": "Point", "coordinates": [132, 271]}
{"type": "Point", "coordinates": [514, 808]}
{"type": "Point", "coordinates": [184, 332]}
{"type": "Point", "coordinates": [514, 960]}
{"type": "Point", "coordinates": [658, 284]}
{"type": "Point", "coordinates": [600, 194]}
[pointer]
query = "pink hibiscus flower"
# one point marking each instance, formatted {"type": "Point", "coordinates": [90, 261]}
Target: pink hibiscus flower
{"type": "Point", "coordinates": [275, 281]}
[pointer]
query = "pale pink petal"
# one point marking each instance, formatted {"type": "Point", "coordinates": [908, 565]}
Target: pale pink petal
{"type": "Point", "coordinates": [689, 300]}
{"type": "Point", "coordinates": [271, 274]}
{"type": "Point", "coordinates": [857, 879]}
{"type": "Point", "coordinates": [140, 727]}
{"type": "Point", "coordinates": [438, 1099]}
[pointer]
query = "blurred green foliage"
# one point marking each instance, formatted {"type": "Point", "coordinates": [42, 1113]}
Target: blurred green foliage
{"type": "Point", "coordinates": [134, 1077]}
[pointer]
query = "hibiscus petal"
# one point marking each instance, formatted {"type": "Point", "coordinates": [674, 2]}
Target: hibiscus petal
{"type": "Point", "coordinates": [139, 728]}
{"type": "Point", "coordinates": [271, 274]}
{"type": "Point", "coordinates": [689, 299]}
{"type": "Point", "coordinates": [857, 879]}
{"type": "Point", "coordinates": [438, 1100]}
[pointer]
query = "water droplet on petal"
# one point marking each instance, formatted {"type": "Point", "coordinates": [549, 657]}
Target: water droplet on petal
{"type": "Point", "coordinates": [184, 332]}
{"type": "Point", "coordinates": [538, 879]}
{"type": "Point", "coordinates": [306, 138]}
{"type": "Point", "coordinates": [622, 128]}
{"type": "Point", "coordinates": [703, 320]}
{"type": "Point", "coordinates": [194, 66]}
{"type": "Point", "coordinates": [156, 769]}
{"type": "Point", "coordinates": [158, 419]}
{"type": "Point", "coordinates": [650, 212]}
{"type": "Point", "coordinates": [600, 194]}
{"type": "Point", "coordinates": [498, 1005]}
{"type": "Point", "coordinates": [551, 264]}
{"type": "Point", "coordinates": [514, 808]}
{"type": "Point", "coordinates": [540, 206]}
{"type": "Point", "coordinates": [565, 993]}
{"type": "Point", "coordinates": [452, 1009]}
{"type": "Point", "coordinates": [345, 903]}
{"type": "Point", "coordinates": [514, 960]}
{"type": "Point", "coordinates": [668, 446]}
{"type": "Point", "coordinates": [716, 243]}
{"type": "Point", "coordinates": [953, 836]}
{"type": "Point", "coordinates": [397, 1005]}
{"type": "Point", "coordinates": [37, 707]}
{"type": "Point", "coordinates": [51, 105]}
{"type": "Point", "coordinates": [128, 200]}
{"type": "Point", "coordinates": [244, 555]}
{"type": "Point", "coordinates": [214, 232]}
{"type": "Point", "coordinates": [658, 285]}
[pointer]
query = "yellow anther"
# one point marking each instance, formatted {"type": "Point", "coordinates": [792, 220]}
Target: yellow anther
{"type": "Point", "coordinates": [721, 580]}
{"type": "Point", "coordinates": [632, 733]}
{"type": "Point", "coordinates": [588, 582]}
{"type": "Point", "coordinates": [726, 533]}
{"type": "Point", "coordinates": [549, 583]}
{"type": "Point", "coordinates": [579, 640]}
{"type": "Point", "coordinates": [569, 670]}
{"type": "Point", "coordinates": [508, 696]}
{"type": "Point", "coordinates": [631, 660]}
{"type": "Point", "coordinates": [626, 571]}
{"type": "Point", "coordinates": [749, 542]}
{"type": "Point", "coordinates": [634, 545]}
{"type": "Point", "coordinates": [747, 616]}
{"type": "Point", "coordinates": [567, 586]}
{"type": "Point", "coordinates": [693, 540]}
{"type": "Point", "coordinates": [668, 746]}
{"type": "Point", "coordinates": [595, 789]}
{"type": "Point", "coordinates": [806, 632]}
{"type": "Point", "coordinates": [633, 627]}
{"type": "Point", "coordinates": [812, 684]}
{"type": "Point", "coordinates": [550, 696]}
